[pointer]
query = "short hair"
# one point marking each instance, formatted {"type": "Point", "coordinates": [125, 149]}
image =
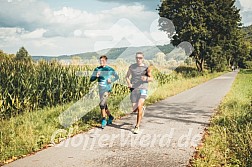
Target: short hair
{"type": "Point", "coordinates": [139, 53]}
{"type": "Point", "coordinates": [104, 56]}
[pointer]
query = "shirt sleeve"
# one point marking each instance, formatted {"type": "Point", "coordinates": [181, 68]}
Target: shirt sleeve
{"type": "Point", "coordinates": [116, 77]}
{"type": "Point", "coordinates": [93, 76]}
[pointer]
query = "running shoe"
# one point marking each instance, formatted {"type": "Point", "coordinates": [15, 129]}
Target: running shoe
{"type": "Point", "coordinates": [135, 130]}
{"type": "Point", "coordinates": [103, 123]}
{"type": "Point", "coordinates": [110, 120]}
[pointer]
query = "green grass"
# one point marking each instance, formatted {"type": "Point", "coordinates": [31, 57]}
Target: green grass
{"type": "Point", "coordinates": [228, 141]}
{"type": "Point", "coordinates": [32, 131]}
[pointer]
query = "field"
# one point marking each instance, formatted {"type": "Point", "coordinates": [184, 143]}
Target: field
{"type": "Point", "coordinates": [35, 95]}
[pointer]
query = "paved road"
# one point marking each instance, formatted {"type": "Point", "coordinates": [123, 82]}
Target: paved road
{"type": "Point", "coordinates": [169, 133]}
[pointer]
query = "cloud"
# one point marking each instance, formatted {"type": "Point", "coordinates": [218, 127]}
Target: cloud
{"type": "Point", "coordinates": [245, 7]}
{"type": "Point", "coordinates": [238, 5]}
{"type": "Point", "coordinates": [247, 18]}
{"type": "Point", "coordinates": [149, 4]}
{"type": "Point", "coordinates": [246, 4]}
{"type": "Point", "coordinates": [44, 30]}
{"type": "Point", "coordinates": [27, 14]}
{"type": "Point", "coordinates": [32, 15]}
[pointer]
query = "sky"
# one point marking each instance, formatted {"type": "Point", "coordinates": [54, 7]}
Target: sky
{"type": "Point", "coordinates": [65, 27]}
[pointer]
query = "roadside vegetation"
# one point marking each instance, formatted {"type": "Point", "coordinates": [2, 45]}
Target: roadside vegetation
{"type": "Point", "coordinates": [228, 140]}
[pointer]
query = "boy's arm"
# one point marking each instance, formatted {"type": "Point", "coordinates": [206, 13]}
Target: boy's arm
{"type": "Point", "coordinates": [116, 77]}
{"type": "Point", "coordinates": [94, 75]}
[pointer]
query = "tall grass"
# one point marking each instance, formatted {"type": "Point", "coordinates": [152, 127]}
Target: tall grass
{"type": "Point", "coordinates": [228, 141]}
{"type": "Point", "coordinates": [26, 86]}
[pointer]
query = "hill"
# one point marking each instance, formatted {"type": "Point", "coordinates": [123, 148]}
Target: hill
{"type": "Point", "coordinates": [248, 32]}
{"type": "Point", "coordinates": [114, 53]}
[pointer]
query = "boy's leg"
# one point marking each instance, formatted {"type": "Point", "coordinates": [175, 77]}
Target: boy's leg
{"type": "Point", "coordinates": [103, 109]}
{"type": "Point", "coordinates": [110, 117]}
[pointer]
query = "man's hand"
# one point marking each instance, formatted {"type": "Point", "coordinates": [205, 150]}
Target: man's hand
{"type": "Point", "coordinates": [109, 80]}
{"type": "Point", "coordinates": [130, 85]}
{"type": "Point", "coordinates": [144, 78]}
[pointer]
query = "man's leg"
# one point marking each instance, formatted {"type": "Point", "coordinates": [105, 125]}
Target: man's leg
{"type": "Point", "coordinates": [134, 107]}
{"type": "Point", "coordinates": [134, 96]}
{"type": "Point", "coordinates": [140, 111]}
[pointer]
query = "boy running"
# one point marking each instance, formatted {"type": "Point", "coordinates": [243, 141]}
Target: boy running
{"type": "Point", "coordinates": [106, 75]}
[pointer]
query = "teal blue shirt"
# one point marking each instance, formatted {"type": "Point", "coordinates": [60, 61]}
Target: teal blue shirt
{"type": "Point", "coordinates": [105, 73]}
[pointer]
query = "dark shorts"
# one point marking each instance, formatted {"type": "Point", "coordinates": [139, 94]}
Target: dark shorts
{"type": "Point", "coordinates": [103, 100]}
{"type": "Point", "coordinates": [136, 94]}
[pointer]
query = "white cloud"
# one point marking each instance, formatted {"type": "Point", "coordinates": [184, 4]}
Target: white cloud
{"type": "Point", "coordinates": [247, 17]}
{"type": "Point", "coordinates": [47, 31]}
{"type": "Point", "coordinates": [246, 4]}
{"type": "Point", "coordinates": [38, 33]}
{"type": "Point", "coordinates": [245, 7]}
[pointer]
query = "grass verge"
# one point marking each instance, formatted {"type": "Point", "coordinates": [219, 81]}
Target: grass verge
{"type": "Point", "coordinates": [228, 141]}
{"type": "Point", "coordinates": [32, 131]}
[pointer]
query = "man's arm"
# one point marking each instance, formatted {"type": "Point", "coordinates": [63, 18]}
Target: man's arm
{"type": "Point", "coordinates": [128, 79]}
{"type": "Point", "coordinates": [149, 77]}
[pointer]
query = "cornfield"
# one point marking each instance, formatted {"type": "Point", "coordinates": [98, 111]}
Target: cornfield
{"type": "Point", "coordinates": [27, 86]}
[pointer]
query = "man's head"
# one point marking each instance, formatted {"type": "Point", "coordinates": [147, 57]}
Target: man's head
{"type": "Point", "coordinates": [139, 58]}
{"type": "Point", "coordinates": [103, 60]}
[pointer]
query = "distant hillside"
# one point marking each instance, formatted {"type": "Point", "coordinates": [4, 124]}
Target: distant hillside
{"type": "Point", "coordinates": [114, 53]}
{"type": "Point", "coordinates": [248, 31]}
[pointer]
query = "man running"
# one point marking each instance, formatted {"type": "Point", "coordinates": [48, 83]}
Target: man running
{"type": "Point", "coordinates": [106, 76]}
{"type": "Point", "coordinates": [138, 84]}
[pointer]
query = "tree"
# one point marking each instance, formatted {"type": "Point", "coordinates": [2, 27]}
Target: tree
{"type": "Point", "coordinates": [216, 61]}
{"type": "Point", "coordinates": [76, 60]}
{"type": "Point", "coordinates": [205, 24]}
{"type": "Point", "coordinates": [188, 19]}
{"type": "Point", "coordinates": [23, 54]}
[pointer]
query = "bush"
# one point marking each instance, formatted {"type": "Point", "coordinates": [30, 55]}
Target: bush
{"type": "Point", "coordinates": [188, 71]}
{"type": "Point", "coordinates": [248, 64]}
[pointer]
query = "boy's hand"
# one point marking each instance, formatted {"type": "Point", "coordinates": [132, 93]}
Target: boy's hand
{"type": "Point", "coordinates": [98, 74]}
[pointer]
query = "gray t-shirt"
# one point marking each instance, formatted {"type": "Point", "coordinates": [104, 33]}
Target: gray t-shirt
{"type": "Point", "coordinates": [136, 73]}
